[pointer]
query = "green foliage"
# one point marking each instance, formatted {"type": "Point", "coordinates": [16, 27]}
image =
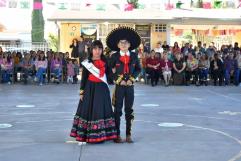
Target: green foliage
{"type": "Point", "coordinates": [53, 42]}
{"type": "Point", "coordinates": [37, 25]}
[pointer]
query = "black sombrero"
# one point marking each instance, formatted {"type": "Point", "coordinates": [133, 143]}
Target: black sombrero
{"type": "Point", "coordinates": [123, 33]}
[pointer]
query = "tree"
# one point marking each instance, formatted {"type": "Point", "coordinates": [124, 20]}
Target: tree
{"type": "Point", "coordinates": [37, 23]}
{"type": "Point", "coordinates": [53, 42]}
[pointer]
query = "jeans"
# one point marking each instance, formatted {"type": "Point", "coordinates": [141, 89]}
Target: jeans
{"type": "Point", "coordinates": [203, 74]}
{"type": "Point", "coordinates": [57, 72]}
{"type": "Point", "coordinates": [236, 76]}
{"type": "Point", "coordinates": [6, 75]}
{"type": "Point", "coordinates": [227, 77]}
{"type": "Point", "coordinates": [40, 74]}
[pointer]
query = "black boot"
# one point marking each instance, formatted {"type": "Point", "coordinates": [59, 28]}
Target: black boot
{"type": "Point", "coordinates": [128, 131]}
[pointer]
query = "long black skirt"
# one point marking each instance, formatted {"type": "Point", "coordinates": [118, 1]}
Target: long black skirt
{"type": "Point", "coordinates": [94, 121]}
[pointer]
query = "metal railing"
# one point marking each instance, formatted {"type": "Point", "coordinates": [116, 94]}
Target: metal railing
{"type": "Point", "coordinates": [25, 46]}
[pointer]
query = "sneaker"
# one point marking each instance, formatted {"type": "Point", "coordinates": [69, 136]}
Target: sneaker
{"type": "Point", "coordinates": [40, 84]}
{"type": "Point", "coordinates": [9, 83]}
{"type": "Point", "coordinates": [35, 79]}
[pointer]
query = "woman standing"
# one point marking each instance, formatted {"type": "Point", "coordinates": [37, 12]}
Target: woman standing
{"type": "Point", "coordinates": [75, 47]}
{"type": "Point", "coordinates": [94, 121]}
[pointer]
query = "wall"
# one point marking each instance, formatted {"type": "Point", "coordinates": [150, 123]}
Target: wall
{"type": "Point", "coordinates": [68, 31]}
{"type": "Point", "coordinates": [156, 37]}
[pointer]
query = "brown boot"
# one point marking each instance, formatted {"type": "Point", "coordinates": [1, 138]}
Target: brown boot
{"type": "Point", "coordinates": [118, 140]}
{"type": "Point", "coordinates": [128, 139]}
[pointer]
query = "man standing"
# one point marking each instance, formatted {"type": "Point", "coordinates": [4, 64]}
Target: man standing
{"type": "Point", "coordinates": [125, 67]}
{"type": "Point", "coordinates": [82, 47]}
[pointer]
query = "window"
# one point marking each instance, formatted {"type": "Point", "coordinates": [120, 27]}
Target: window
{"type": "Point", "coordinates": [160, 28]}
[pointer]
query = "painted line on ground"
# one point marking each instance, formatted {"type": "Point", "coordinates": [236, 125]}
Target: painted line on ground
{"type": "Point", "coordinates": [225, 96]}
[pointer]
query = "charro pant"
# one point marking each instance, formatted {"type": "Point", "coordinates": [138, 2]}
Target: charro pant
{"type": "Point", "coordinates": [124, 94]}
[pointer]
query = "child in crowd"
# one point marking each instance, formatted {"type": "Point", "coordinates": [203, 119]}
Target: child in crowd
{"type": "Point", "coordinates": [70, 71]}
{"type": "Point", "coordinates": [76, 71]}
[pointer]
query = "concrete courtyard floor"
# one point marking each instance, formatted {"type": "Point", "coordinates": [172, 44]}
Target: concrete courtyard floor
{"type": "Point", "coordinates": [171, 124]}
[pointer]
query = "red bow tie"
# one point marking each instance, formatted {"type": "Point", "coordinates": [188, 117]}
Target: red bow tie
{"type": "Point", "coordinates": [125, 60]}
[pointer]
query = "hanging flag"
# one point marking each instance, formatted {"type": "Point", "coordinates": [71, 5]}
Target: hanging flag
{"type": "Point", "coordinates": [24, 4]}
{"type": "Point", "coordinates": [12, 4]}
{"type": "Point", "coordinates": [3, 3]}
{"type": "Point", "coordinates": [100, 7]}
{"type": "Point", "coordinates": [141, 6]}
{"type": "Point", "coordinates": [179, 4]}
{"type": "Point", "coordinates": [168, 6]}
{"type": "Point", "coordinates": [229, 4]}
{"type": "Point", "coordinates": [75, 6]}
{"type": "Point", "coordinates": [129, 7]}
{"type": "Point", "coordinates": [207, 32]}
{"type": "Point", "coordinates": [178, 32]}
{"type": "Point", "coordinates": [88, 4]}
{"type": "Point", "coordinates": [207, 5]}
{"type": "Point", "coordinates": [62, 6]}
{"type": "Point", "coordinates": [232, 32]}
{"type": "Point", "coordinates": [215, 32]}
{"type": "Point", "coordinates": [37, 5]}
{"type": "Point", "coordinates": [217, 4]}
{"type": "Point", "coordinates": [194, 31]}
{"type": "Point", "coordinates": [117, 6]}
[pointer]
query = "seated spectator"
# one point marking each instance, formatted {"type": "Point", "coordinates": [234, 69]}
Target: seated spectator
{"type": "Point", "coordinates": [237, 73]}
{"type": "Point", "coordinates": [27, 67]}
{"type": "Point", "coordinates": [56, 67]}
{"type": "Point", "coordinates": [17, 57]}
{"type": "Point", "coordinates": [166, 66]}
{"type": "Point", "coordinates": [70, 71]}
{"type": "Point", "coordinates": [179, 66]}
{"type": "Point", "coordinates": [165, 46]}
{"type": "Point", "coordinates": [41, 65]}
{"type": "Point", "coordinates": [49, 59]}
{"type": "Point", "coordinates": [1, 62]}
{"type": "Point", "coordinates": [76, 71]}
{"type": "Point", "coordinates": [175, 49]}
{"type": "Point", "coordinates": [143, 65]}
{"type": "Point", "coordinates": [216, 68]}
{"type": "Point", "coordinates": [152, 69]}
{"type": "Point", "coordinates": [158, 48]}
{"type": "Point", "coordinates": [7, 68]}
{"type": "Point", "coordinates": [185, 50]}
{"type": "Point", "coordinates": [65, 59]}
{"type": "Point", "coordinates": [203, 66]}
{"type": "Point", "coordinates": [192, 69]}
{"type": "Point", "coordinates": [236, 47]}
{"type": "Point", "coordinates": [230, 65]}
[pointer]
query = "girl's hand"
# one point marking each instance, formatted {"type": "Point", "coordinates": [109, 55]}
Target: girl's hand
{"type": "Point", "coordinates": [81, 97]}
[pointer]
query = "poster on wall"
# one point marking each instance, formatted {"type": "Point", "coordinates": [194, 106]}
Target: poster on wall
{"type": "Point", "coordinates": [89, 32]}
{"type": "Point", "coordinates": [145, 33]}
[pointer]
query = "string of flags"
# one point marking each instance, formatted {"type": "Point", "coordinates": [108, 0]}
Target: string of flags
{"type": "Point", "coordinates": [208, 32]}
{"type": "Point", "coordinates": [127, 5]}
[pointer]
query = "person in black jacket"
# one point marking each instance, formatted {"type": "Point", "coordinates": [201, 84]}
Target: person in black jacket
{"type": "Point", "coordinates": [216, 67]}
{"type": "Point", "coordinates": [74, 45]}
{"type": "Point", "coordinates": [125, 67]}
